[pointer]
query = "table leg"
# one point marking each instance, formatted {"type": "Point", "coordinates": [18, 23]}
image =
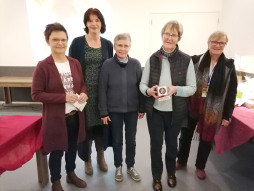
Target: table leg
{"type": "Point", "coordinates": [42, 168]}
{"type": "Point", "coordinates": [7, 95]}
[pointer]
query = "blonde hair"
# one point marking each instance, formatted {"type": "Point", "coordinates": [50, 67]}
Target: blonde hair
{"type": "Point", "coordinates": [217, 35]}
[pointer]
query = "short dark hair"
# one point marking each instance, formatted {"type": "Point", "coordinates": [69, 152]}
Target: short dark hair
{"type": "Point", "coordinates": [53, 27]}
{"type": "Point", "coordinates": [94, 11]}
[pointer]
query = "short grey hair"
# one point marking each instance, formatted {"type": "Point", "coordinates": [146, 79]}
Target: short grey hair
{"type": "Point", "coordinates": [173, 25]}
{"type": "Point", "coordinates": [122, 36]}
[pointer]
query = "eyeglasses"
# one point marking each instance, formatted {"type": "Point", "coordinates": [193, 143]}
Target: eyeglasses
{"type": "Point", "coordinates": [56, 40]}
{"type": "Point", "coordinates": [218, 43]}
{"type": "Point", "coordinates": [174, 36]}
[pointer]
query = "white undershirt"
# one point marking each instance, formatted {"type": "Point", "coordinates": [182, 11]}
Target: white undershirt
{"type": "Point", "coordinates": [67, 80]}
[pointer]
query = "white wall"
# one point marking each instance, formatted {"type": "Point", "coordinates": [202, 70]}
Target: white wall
{"type": "Point", "coordinates": [131, 16]}
{"type": "Point", "coordinates": [17, 48]}
{"type": "Point", "coordinates": [15, 43]}
{"type": "Point", "coordinates": [237, 19]}
{"type": "Point", "coordinates": [135, 17]}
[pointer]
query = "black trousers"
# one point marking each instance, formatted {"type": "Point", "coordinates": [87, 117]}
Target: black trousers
{"type": "Point", "coordinates": [55, 157]}
{"type": "Point", "coordinates": [185, 139]}
{"type": "Point", "coordinates": [159, 125]}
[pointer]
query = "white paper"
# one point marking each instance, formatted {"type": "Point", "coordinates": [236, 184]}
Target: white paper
{"type": "Point", "coordinates": [79, 106]}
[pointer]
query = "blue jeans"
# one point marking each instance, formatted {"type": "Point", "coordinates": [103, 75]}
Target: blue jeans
{"type": "Point", "coordinates": [55, 157]}
{"type": "Point", "coordinates": [159, 125]}
{"type": "Point", "coordinates": [116, 125]}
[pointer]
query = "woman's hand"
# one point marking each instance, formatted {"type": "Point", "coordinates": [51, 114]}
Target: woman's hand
{"type": "Point", "coordinates": [225, 122]}
{"type": "Point", "coordinates": [105, 120]}
{"type": "Point", "coordinates": [82, 98]}
{"type": "Point", "coordinates": [141, 115]}
{"type": "Point", "coordinates": [153, 92]}
{"type": "Point", "coordinates": [71, 98]}
{"type": "Point", "coordinates": [172, 90]}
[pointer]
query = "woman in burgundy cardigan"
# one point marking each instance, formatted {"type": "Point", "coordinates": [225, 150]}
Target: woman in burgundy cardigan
{"type": "Point", "coordinates": [58, 83]}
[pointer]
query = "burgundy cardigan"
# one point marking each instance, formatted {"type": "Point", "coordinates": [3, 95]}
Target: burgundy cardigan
{"type": "Point", "coordinates": [47, 88]}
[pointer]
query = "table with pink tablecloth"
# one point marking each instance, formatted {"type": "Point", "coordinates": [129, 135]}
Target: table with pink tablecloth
{"type": "Point", "coordinates": [20, 138]}
{"type": "Point", "coordinates": [240, 130]}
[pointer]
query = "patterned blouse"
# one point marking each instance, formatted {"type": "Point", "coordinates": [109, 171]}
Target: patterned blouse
{"type": "Point", "coordinates": [91, 70]}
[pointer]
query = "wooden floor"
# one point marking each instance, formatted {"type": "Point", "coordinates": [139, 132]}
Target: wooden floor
{"type": "Point", "coordinates": [230, 171]}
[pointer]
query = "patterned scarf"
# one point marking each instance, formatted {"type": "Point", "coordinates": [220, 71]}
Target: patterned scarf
{"type": "Point", "coordinates": [208, 109]}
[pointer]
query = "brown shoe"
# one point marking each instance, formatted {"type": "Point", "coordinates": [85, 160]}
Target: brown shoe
{"type": "Point", "coordinates": [157, 185]}
{"type": "Point", "coordinates": [101, 161]}
{"type": "Point", "coordinates": [172, 181]}
{"type": "Point", "coordinates": [56, 186]}
{"type": "Point", "coordinates": [89, 167]}
{"type": "Point", "coordinates": [73, 179]}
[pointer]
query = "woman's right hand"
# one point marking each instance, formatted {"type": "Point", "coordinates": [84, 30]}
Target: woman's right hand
{"type": "Point", "coordinates": [71, 98]}
{"type": "Point", "coordinates": [153, 92]}
{"type": "Point", "coordinates": [105, 120]}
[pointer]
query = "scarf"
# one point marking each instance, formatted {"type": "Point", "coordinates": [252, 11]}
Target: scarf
{"type": "Point", "coordinates": [208, 109]}
{"type": "Point", "coordinates": [215, 87]}
{"type": "Point", "coordinates": [169, 54]}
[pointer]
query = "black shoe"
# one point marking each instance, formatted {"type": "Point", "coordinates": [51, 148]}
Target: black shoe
{"type": "Point", "coordinates": [172, 181]}
{"type": "Point", "coordinates": [157, 185]}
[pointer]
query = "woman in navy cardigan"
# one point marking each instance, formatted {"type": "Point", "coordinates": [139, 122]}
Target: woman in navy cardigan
{"type": "Point", "coordinates": [92, 50]}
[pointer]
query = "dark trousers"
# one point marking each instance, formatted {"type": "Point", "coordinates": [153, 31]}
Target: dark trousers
{"type": "Point", "coordinates": [159, 124]}
{"type": "Point", "coordinates": [129, 119]}
{"type": "Point", "coordinates": [185, 139]}
{"type": "Point", "coordinates": [55, 157]}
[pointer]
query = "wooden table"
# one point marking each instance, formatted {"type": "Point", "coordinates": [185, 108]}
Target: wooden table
{"type": "Point", "coordinates": [13, 81]}
{"type": "Point", "coordinates": [20, 138]}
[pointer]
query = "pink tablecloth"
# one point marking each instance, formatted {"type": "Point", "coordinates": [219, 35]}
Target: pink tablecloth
{"type": "Point", "coordinates": [240, 130]}
{"type": "Point", "coordinates": [20, 138]}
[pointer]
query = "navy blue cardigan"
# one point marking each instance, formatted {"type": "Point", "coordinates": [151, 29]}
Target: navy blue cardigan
{"type": "Point", "coordinates": [77, 48]}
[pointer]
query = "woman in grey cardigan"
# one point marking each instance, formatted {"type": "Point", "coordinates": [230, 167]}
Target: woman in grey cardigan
{"type": "Point", "coordinates": [120, 101]}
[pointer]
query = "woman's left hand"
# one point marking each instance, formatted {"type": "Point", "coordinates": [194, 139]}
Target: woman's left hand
{"type": "Point", "coordinates": [224, 122]}
{"type": "Point", "coordinates": [105, 120]}
{"type": "Point", "coordinates": [82, 98]}
{"type": "Point", "coordinates": [172, 90]}
{"type": "Point", "coordinates": [141, 115]}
